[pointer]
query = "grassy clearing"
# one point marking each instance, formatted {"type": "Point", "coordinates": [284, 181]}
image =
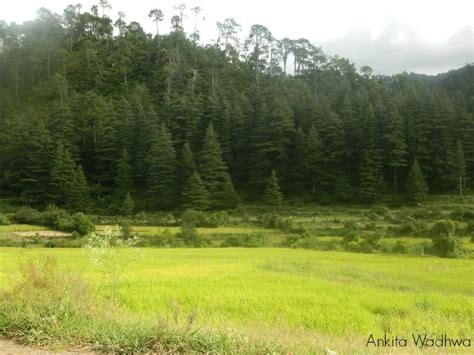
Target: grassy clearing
{"type": "Point", "coordinates": [12, 228]}
{"type": "Point", "coordinates": [155, 230]}
{"type": "Point", "coordinates": [307, 300]}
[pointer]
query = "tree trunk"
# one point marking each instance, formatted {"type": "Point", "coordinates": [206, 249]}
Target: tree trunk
{"type": "Point", "coordinates": [395, 180]}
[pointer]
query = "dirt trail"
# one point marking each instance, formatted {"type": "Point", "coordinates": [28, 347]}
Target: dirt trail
{"type": "Point", "coordinates": [8, 347]}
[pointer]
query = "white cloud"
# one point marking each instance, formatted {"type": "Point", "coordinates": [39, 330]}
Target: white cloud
{"type": "Point", "coordinates": [356, 29]}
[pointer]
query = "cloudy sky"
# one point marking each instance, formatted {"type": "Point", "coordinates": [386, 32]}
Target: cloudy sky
{"type": "Point", "coordinates": [425, 36]}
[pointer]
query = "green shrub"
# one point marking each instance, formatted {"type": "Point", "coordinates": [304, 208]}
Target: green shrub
{"type": "Point", "coordinates": [4, 221]}
{"type": "Point", "coordinates": [190, 237]}
{"type": "Point", "coordinates": [250, 240]}
{"type": "Point", "coordinates": [411, 228]}
{"type": "Point", "coordinates": [27, 215]}
{"type": "Point", "coordinates": [51, 216]}
{"type": "Point", "coordinates": [194, 218]}
{"type": "Point", "coordinates": [82, 224]}
{"type": "Point", "coordinates": [125, 229]}
{"type": "Point", "coordinates": [400, 247]}
{"type": "Point", "coordinates": [463, 214]}
{"type": "Point", "coordinates": [219, 218]}
{"type": "Point", "coordinates": [445, 242]}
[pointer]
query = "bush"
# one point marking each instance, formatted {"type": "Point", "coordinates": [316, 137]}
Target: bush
{"type": "Point", "coordinates": [463, 214]}
{"type": "Point", "coordinates": [52, 215]}
{"type": "Point", "coordinates": [27, 215]}
{"type": "Point", "coordinates": [219, 218]}
{"type": "Point", "coordinates": [411, 228]}
{"type": "Point", "coordinates": [445, 242]}
{"type": "Point", "coordinates": [190, 237]}
{"type": "Point", "coordinates": [193, 218]}
{"type": "Point", "coordinates": [251, 240]}
{"type": "Point", "coordinates": [4, 221]}
{"type": "Point", "coordinates": [82, 224]}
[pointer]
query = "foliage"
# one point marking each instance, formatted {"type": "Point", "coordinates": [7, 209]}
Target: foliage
{"type": "Point", "coordinates": [4, 221]}
{"type": "Point", "coordinates": [273, 195]}
{"type": "Point", "coordinates": [445, 241]}
{"type": "Point", "coordinates": [416, 187]}
{"type": "Point", "coordinates": [93, 109]}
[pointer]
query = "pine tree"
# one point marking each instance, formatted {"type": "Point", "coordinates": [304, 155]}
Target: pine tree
{"type": "Point", "coordinates": [225, 197]}
{"type": "Point", "coordinates": [123, 177]}
{"type": "Point", "coordinates": [314, 148]}
{"type": "Point", "coordinates": [127, 205]}
{"type": "Point", "coordinates": [78, 194]}
{"type": "Point", "coordinates": [162, 170]}
{"type": "Point", "coordinates": [273, 196]}
{"type": "Point", "coordinates": [213, 171]}
{"type": "Point", "coordinates": [62, 175]}
{"type": "Point", "coordinates": [396, 147]}
{"type": "Point", "coordinates": [195, 194]}
{"type": "Point", "coordinates": [370, 176]}
{"type": "Point", "coordinates": [187, 165]}
{"type": "Point", "coordinates": [416, 187]}
{"type": "Point", "coordinates": [460, 167]}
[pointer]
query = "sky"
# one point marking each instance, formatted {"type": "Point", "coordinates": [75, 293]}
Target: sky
{"type": "Point", "coordinates": [391, 36]}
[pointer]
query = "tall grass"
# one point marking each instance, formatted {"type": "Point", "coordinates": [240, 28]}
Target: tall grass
{"type": "Point", "coordinates": [51, 306]}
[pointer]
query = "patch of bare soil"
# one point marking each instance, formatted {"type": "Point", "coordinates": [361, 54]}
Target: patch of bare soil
{"type": "Point", "coordinates": [43, 234]}
{"type": "Point", "coordinates": [8, 347]}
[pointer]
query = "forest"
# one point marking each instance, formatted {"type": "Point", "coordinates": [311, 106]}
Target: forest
{"type": "Point", "coordinates": [98, 115]}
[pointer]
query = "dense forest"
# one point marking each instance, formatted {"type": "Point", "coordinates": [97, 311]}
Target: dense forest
{"type": "Point", "coordinates": [97, 114]}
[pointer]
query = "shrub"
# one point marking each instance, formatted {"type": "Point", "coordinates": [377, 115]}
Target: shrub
{"type": "Point", "coordinates": [4, 221]}
{"type": "Point", "coordinates": [190, 236]}
{"type": "Point", "coordinates": [219, 218]}
{"type": "Point", "coordinates": [27, 215]}
{"type": "Point", "coordinates": [463, 214]}
{"type": "Point", "coordinates": [411, 228]}
{"type": "Point", "coordinates": [193, 218]}
{"type": "Point", "coordinates": [82, 224]}
{"type": "Point", "coordinates": [52, 215]}
{"type": "Point", "coordinates": [125, 229]}
{"type": "Point", "coordinates": [250, 240]}
{"type": "Point", "coordinates": [400, 247]}
{"type": "Point", "coordinates": [445, 242]}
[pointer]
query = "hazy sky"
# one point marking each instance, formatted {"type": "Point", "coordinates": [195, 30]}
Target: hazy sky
{"type": "Point", "coordinates": [426, 36]}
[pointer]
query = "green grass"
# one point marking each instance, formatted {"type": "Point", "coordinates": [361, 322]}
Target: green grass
{"type": "Point", "coordinates": [12, 228]}
{"type": "Point", "coordinates": [307, 300]}
{"type": "Point", "coordinates": [155, 230]}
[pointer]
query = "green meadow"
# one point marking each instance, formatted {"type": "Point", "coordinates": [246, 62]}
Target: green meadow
{"type": "Point", "coordinates": [304, 300]}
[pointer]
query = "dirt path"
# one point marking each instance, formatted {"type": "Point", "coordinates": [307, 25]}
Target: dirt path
{"type": "Point", "coordinates": [8, 347]}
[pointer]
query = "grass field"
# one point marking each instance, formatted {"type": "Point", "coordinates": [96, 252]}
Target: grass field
{"type": "Point", "coordinates": [306, 300]}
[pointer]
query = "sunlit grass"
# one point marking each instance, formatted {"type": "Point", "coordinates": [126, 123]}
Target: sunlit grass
{"type": "Point", "coordinates": [12, 228]}
{"type": "Point", "coordinates": [323, 298]}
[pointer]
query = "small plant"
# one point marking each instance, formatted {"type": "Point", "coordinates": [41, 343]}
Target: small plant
{"type": "Point", "coordinates": [105, 248]}
{"type": "Point", "coordinates": [27, 215]}
{"type": "Point", "coordinates": [445, 242]}
{"type": "Point", "coordinates": [4, 221]}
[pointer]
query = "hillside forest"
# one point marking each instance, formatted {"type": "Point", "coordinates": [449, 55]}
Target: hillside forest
{"type": "Point", "coordinates": [98, 115]}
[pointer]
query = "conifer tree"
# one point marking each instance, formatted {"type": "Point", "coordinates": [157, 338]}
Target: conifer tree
{"type": "Point", "coordinates": [416, 187]}
{"type": "Point", "coordinates": [273, 196]}
{"type": "Point", "coordinates": [396, 147]}
{"type": "Point", "coordinates": [213, 171]}
{"type": "Point", "coordinates": [162, 170]}
{"type": "Point", "coordinates": [195, 194]}
{"type": "Point", "coordinates": [127, 205]}
{"type": "Point", "coordinates": [370, 176]}
{"type": "Point", "coordinates": [314, 148]}
{"type": "Point", "coordinates": [62, 175]}
{"type": "Point", "coordinates": [187, 165]}
{"type": "Point", "coordinates": [460, 167]}
{"type": "Point", "coordinates": [78, 194]}
{"type": "Point", "coordinates": [123, 177]}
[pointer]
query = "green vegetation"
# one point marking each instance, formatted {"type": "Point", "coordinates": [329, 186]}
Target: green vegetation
{"type": "Point", "coordinates": [311, 300]}
{"type": "Point", "coordinates": [94, 109]}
